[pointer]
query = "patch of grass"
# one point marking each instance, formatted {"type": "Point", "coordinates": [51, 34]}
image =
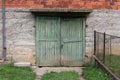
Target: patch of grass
{"type": "Point", "coordinates": [67, 75]}
{"type": "Point", "coordinates": [9, 72]}
{"type": "Point", "coordinates": [93, 73]}
{"type": "Point", "coordinates": [113, 62]}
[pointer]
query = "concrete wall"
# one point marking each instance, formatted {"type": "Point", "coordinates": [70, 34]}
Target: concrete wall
{"type": "Point", "coordinates": [20, 35]}
{"type": "Point", "coordinates": [103, 21]}
{"type": "Point", "coordinates": [20, 29]}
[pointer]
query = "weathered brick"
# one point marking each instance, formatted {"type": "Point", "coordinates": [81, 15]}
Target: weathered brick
{"type": "Point", "coordinates": [93, 4]}
{"type": "Point", "coordinates": [118, 3]}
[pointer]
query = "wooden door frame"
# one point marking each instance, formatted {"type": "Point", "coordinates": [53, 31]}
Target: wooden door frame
{"type": "Point", "coordinates": [63, 13]}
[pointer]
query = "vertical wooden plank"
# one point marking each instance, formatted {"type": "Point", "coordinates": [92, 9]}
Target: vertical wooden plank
{"type": "Point", "coordinates": [72, 37]}
{"type": "Point", "coordinates": [83, 37]}
{"type": "Point", "coordinates": [48, 41]}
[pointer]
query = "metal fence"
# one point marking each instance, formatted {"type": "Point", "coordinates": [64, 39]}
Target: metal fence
{"type": "Point", "coordinates": [107, 50]}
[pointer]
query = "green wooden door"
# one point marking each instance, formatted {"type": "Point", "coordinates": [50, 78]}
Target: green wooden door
{"type": "Point", "coordinates": [48, 41]}
{"type": "Point", "coordinates": [60, 42]}
{"type": "Point", "coordinates": [72, 42]}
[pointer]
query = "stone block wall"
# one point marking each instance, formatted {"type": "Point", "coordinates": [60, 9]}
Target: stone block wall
{"type": "Point", "coordinates": [20, 35]}
{"type": "Point", "coordinates": [20, 31]}
{"type": "Point", "coordinates": [107, 21]}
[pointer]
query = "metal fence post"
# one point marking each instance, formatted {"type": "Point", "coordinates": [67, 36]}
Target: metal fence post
{"type": "Point", "coordinates": [94, 42]}
{"type": "Point", "coordinates": [3, 31]}
{"type": "Point", "coordinates": [104, 48]}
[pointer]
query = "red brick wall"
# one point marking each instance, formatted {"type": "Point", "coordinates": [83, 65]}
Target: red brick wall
{"type": "Point", "coordinates": [90, 4]}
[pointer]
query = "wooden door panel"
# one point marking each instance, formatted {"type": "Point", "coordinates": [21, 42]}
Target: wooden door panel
{"type": "Point", "coordinates": [59, 42]}
{"type": "Point", "coordinates": [72, 41]}
{"type": "Point", "coordinates": [48, 41]}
